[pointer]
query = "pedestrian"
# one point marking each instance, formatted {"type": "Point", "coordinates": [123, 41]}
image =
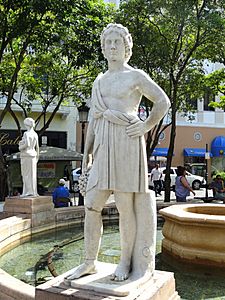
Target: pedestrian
{"type": "Point", "coordinates": [156, 178]}
{"type": "Point", "coordinates": [218, 188]}
{"type": "Point", "coordinates": [182, 187]}
{"type": "Point", "coordinates": [61, 195]}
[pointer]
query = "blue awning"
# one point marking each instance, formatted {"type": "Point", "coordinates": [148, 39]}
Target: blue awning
{"type": "Point", "coordinates": [218, 146]}
{"type": "Point", "coordinates": [160, 152]}
{"type": "Point", "coordinates": [195, 152]}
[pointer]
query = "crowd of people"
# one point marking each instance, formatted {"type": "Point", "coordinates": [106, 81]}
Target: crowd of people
{"type": "Point", "coordinates": [182, 187]}
{"type": "Point", "coordinates": [61, 194]}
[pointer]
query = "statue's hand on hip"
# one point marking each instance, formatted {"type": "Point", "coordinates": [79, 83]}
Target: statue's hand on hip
{"type": "Point", "coordinates": [136, 128]}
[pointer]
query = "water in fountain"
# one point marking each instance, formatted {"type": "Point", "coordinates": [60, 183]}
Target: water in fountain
{"type": "Point", "coordinates": [64, 247]}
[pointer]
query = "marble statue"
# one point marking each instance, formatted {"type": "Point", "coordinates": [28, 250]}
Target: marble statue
{"type": "Point", "coordinates": [29, 154]}
{"type": "Point", "coordinates": [115, 138]}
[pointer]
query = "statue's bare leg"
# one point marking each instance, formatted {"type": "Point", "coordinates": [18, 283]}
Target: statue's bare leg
{"type": "Point", "coordinates": [94, 203]}
{"type": "Point", "coordinates": [143, 260]}
{"type": "Point", "coordinates": [127, 225]}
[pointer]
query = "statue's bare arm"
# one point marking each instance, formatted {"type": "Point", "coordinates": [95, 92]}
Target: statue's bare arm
{"type": "Point", "coordinates": [161, 103]}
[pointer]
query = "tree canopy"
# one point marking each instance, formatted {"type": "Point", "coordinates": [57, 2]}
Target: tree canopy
{"type": "Point", "coordinates": [49, 53]}
{"type": "Point", "coordinates": [172, 38]}
{"type": "Point", "coordinates": [47, 49]}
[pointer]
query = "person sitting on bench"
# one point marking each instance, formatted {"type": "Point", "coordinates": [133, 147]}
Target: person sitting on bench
{"type": "Point", "coordinates": [218, 188]}
{"type": "Point", "coordinates": [61, 195]}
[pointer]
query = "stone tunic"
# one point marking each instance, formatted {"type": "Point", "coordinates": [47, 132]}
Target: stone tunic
{"type": "Point", "coordinates": [119, 161]}
{"type": "Point", "coordinates": [28, 159]}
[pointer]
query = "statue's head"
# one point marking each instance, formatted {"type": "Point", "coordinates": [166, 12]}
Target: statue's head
{"type": "Point", "coordinates": [29, 122]}
{"type": "Point", "coordinates": [123, 32]}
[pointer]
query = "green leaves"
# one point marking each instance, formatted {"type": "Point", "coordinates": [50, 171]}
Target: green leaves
{"type": "Point", "coordinates": [215, 82]}
{"type": "Point", "coordinates": [170, 35]}
{"type": "Point", "coordinates": [50, 50]}
{"type": "Point", "coordinates": [172, 39]}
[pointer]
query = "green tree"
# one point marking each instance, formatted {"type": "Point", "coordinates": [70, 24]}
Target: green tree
{"type": "Point", "coordinates": [171, 40]}
{"type": "Point", "coordinates": [47, 49]}
{"type": "Point", "coordinates": [64, 67]}
{"type": "Point", "coordinates": [18, 22]}
{"type": "Point", "coordinates": [215, 82]}
{"type": "Point", "coordinates": [62, 39]}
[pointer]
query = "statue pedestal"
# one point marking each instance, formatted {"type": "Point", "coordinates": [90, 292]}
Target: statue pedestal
{"type": "Point", "coordinates": [100, 286]}
{"type": "Point", "coordinates": [39, 209]}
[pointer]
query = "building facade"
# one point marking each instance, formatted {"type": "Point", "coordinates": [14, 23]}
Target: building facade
{"type": "Point", "coordinates": [61, 132]}
{"type": "Point", "coordinates": [198, 134]}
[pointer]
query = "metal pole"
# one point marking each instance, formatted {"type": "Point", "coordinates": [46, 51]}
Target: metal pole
{"type": "Point", "coordinates": [82, 137]}
{"type": "Point", "coordinates": [81, 198]}
{"type": "Point", "coordinates": [206, 173]}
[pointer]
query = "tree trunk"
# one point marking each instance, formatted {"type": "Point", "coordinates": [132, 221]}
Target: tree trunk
{"type": "Point", "coordinates": [169, 158]}
{"type": "Point", "coordinates": [172, 141]}
{"type": "Point", "coordinates": [3, 177]}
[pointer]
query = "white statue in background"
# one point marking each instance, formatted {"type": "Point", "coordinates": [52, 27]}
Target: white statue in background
{"type": "Point", "coordinates": [29, 154]}
{"type": "Point", "coordinates": [115, 138]}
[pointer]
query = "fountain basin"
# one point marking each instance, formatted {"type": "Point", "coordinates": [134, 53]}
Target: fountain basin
{"type": "Point", "coordinates": [24, 217]}
{"type": "Point", "coordinates": [195, 233]}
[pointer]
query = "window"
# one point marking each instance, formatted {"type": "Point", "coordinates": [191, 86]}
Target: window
{"type": "Point", "coordinates": [191, 102]}
{"type": "Point", "coordinates": [208, 97]}
{"type": "Point", "coordinates": [56, 139]}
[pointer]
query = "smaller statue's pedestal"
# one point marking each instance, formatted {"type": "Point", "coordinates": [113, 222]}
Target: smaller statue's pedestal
{"type": "Point", "coordinates": [100, 286]}
{"type": "Point", "coordinates": [39, 209]}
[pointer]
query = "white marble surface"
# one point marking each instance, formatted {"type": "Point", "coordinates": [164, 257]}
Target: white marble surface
{"type": "Point", "coordinates": [103, 283]}
{"type": "Point", "coordinates": [115, 142]}
{"type": "Point", "coordinates": [29, 154]}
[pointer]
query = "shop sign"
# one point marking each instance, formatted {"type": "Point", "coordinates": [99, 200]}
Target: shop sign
{"type": "Point", "coordinates": [46, 170]}
{"type": "Point", "coordinates": [6, 140]}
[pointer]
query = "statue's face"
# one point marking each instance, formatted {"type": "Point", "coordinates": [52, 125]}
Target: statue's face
{"type": "Point", "coordinates": [114, 47]}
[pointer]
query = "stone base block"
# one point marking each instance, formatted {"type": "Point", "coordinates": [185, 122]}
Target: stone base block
{"type": "Point", "coordinates": [39, 209]}
{"type": "Point", "coordinates": [99, 286]}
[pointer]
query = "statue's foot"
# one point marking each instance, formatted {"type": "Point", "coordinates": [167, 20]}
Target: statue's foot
{"type": "Point", "coordinates": [29, 195]}
{"type": "Point", "coordinates": [86, 268]}
{"type": "Point", "coordinates": [121, 273]}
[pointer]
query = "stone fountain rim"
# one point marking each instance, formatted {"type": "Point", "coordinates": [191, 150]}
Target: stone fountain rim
{"type": "Point", "coordinates": [181, 212]}
{"type": "Point", "coordinates": [13, 287]}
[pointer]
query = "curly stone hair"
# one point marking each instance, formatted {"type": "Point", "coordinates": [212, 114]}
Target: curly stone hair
{"type": "Point", "coordinates": [123, 31]}
{"type": "Point", "coordinates": [29, 121]}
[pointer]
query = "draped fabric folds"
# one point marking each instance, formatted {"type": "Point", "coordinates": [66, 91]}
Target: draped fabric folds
{"type": "Point", "coordinates": [120, 162]}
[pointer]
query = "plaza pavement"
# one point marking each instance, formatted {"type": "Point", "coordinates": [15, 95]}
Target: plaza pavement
{"type": "Point", "coordinates": [191, 199]}
{"type": "Point", "coordinates": [198, 193]}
